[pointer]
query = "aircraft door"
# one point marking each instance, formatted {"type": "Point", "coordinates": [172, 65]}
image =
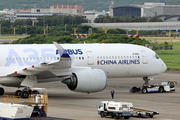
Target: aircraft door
{"type": "Point", "coordinates": [144, 57]}
{"type": "Point", "coordinates": [90, 60]}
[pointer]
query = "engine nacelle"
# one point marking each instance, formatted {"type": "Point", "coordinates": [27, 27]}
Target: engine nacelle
{"type": "Point", "coordinates": [87, 80]}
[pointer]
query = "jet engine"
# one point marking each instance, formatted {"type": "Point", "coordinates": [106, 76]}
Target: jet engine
{"type": "Point", "coordinates": [87, 80]}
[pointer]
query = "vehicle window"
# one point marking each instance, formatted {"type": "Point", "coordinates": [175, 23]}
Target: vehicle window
{"type": "Point", "coordinates": [157, 57]}
{"type": "Point", "coordinates": [124, 106]}
{"type": "Point", "coordinates": [164, 83]}
{"type": "Point", "coordinates": [113, 108]}
{"type": "Point", "coordinates": [100, 105]}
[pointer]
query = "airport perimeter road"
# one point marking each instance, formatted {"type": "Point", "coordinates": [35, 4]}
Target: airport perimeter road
{"type": "Point", "coordinates": [80, 106]}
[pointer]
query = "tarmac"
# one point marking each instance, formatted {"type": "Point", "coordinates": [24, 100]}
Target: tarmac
{"type": "Point", "coordinates": [66, 104]}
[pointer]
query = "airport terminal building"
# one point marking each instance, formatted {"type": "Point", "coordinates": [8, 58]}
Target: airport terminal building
{"type": "Point", "coordinates": [168, 13]}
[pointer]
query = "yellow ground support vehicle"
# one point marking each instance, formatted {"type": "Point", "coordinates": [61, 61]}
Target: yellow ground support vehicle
{"type": "Point", "coordinates": [143, 113]}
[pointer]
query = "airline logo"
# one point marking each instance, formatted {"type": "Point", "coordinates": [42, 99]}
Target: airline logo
{"type": "Point", "coordinates": [34, 55]}
{"type": "Point", "coordinates": [71, 51]}
{"type": "Point", "coordinates": [74, 51]}
{"type": "Point", "coordinates": [118, 62]}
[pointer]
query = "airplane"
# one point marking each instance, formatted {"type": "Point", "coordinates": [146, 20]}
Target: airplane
{"type": "Point", "coordinates": [82, 67]}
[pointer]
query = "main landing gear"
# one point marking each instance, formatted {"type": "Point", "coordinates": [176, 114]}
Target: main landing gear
{"type": "Point", "coordinates": [146, 81]}
{"type": "Point", "coordinates": [1, 91]}
{"type": "Point", "coordinates": [25, 92]}
{"type": "Point", "coordinates": [22, 93]}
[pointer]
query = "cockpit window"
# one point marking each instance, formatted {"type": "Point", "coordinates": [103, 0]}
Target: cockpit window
{"type": "Point", "coordinates": [157, 57]}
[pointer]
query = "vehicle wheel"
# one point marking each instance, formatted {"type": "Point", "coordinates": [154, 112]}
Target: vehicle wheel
{"type": "Point", "coordinates": [144, 90]}
{"type": "Point", "coordinates": [116, 116]}
{"type": "Point", "coordinates": [24, 94]}
{"type": "Point", "coordinates": [1, 91]}
{"type": "Point", "coordinates": [127, 117]}
{"type": "Point", "coordinates": [139, 115]}
{"type": "Point", "coordinates": [161, 89]}
{"type": "Point", "coordinates": [133, 89]}
{"type": "Point", "coordinates": [102, 114]}
{"type": "Point", "coordinates": [112, 115]}
{"type": "Point", "coordinates": [35, 92]}
{"type": "Point", "coordinates": [18, 93]}
{"type": "Point", "coordinates": [150, 115]}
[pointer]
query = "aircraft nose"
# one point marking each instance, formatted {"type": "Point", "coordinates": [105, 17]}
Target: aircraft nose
{"type": "Point", "coordinates": [164, 67]}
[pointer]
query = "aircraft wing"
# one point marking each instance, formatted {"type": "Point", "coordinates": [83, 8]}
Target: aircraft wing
{"type": "Point", "coordinates": [63, 61]}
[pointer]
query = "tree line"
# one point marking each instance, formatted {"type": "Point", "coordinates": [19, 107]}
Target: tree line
{"type": "Point", "coordinates": [66, 37]}
{"type": "Point", "coordinates": [48, 24]}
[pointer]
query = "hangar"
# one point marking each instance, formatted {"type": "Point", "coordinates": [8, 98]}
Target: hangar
{"type": "Point", "coordinates": [168, 13]}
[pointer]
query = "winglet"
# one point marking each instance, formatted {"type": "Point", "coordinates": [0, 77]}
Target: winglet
{"type": "Point", "coordinates": [61, 51]}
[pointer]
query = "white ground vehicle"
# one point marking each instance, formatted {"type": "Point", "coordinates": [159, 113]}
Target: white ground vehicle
{"type": "Point", "coordinates": [165, 86]}
{"type": "Point", "coordinates": [115, 109]}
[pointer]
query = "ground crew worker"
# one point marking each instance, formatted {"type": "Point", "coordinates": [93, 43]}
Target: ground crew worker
{"type": "Point", "coordinates": [112, 93]}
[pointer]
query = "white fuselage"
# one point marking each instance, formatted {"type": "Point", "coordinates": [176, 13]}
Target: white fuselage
{"type": "Point", "coordinates": [116, 60]}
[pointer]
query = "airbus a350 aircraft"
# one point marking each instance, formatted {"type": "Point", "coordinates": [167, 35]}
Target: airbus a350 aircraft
{"type": "Point", "coordinates": [82, 67]}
